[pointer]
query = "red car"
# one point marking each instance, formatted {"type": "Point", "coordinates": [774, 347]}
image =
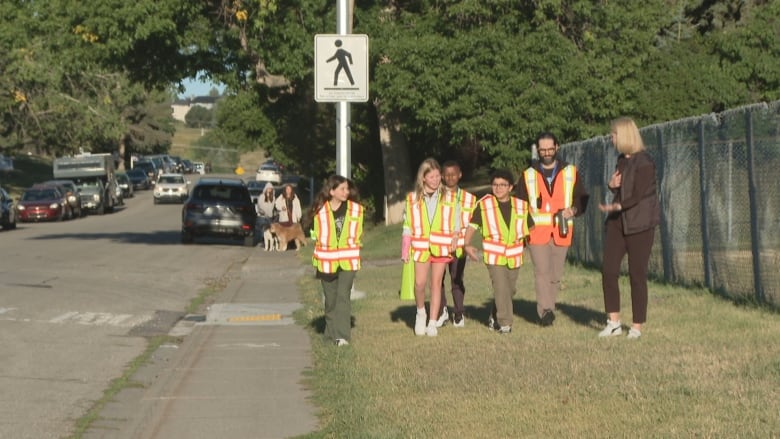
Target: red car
{"type": "Point", "coordinates": [42, 204]}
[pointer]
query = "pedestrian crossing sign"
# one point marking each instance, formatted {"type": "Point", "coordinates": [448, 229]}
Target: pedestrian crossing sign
{"type": "Point", "coordinates": [341, 68]}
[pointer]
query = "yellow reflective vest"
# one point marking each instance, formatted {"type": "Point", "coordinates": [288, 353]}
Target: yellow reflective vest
{"type": "Point", "coordinates": [431, 236]}
{"type": "Point", "coordinates": [502, 243]}
{"type": "Point", "coordinates": [332, 252]}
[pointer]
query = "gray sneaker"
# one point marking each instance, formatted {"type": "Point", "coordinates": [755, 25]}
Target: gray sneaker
{"type": "Point", "coordinates": [634, 334]}
{"type": "Point", "coordinates": [612, 329]}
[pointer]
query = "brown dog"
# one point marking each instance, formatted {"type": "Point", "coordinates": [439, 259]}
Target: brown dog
{"type": "Point", "coordinates": [285, 234]}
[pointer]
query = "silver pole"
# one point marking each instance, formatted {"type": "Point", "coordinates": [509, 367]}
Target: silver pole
{"type": "Point", "coordinates": [343, 113]}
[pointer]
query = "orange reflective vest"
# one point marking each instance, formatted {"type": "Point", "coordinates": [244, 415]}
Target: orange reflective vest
{"type": "Point", "coordinates": [543, 212]}
{"type": "Point", "coordinates": [431, 236]}
{"type": "Point", "coordinates": [502, 243]}
{"type": "Point", "coordinates": [332, 252]}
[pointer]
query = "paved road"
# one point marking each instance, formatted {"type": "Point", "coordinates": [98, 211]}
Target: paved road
{"type": "Point", "coordinates": [76, 299]}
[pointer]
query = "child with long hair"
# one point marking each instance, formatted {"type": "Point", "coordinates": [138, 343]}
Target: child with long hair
{"type": "Point", "coordinates": [337, 230]}
{"type": "Point", "coordinates": [429, 239]}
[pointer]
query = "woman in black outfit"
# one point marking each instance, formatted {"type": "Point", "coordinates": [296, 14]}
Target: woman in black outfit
{"type": "Point", "coordinates": [630, 226]}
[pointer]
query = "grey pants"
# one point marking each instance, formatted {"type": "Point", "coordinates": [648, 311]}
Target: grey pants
{"type": "Point", "coordinates": [338, 308]}
{"type": "Point", "coordinates": [549, 260]}
{"type": "Point", "coordinates": [504, 282]}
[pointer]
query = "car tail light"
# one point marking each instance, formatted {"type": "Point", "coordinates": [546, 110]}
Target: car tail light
{"type": "Point", "coordinates": [194, 206]}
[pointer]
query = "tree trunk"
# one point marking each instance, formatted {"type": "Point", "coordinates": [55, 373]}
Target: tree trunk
{"type": "Point", "coordinates": [395, 156]}
{"type": "Point", "coordinates": [122, 149]}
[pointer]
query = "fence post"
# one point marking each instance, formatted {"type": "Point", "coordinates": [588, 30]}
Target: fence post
{"type": "Point", "coordinates": [666, 243]}
{"type": "Point", "coordinates": [705, 229]}
{"type": "Point", "coordinates": [754, 238]}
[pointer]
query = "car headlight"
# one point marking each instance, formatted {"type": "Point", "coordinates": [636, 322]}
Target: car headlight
{"type": "Point", "coordinates": [19, 207]}
{"type": "Point", "coordinates": [54, 206]}
{"type": "Point", "coordinates": [72, 199]}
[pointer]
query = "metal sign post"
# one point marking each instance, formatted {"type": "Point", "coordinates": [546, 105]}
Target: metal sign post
{"type": "Point", "coordinates": [341, 76]}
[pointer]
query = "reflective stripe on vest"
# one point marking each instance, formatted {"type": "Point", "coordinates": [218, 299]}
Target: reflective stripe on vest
{"type": "Point", "coordinates": [561, 198]}
{"type": "Point", "coordinates": [501, 243]}
{"type": "Point", "coordinates": [332, 252]}
{"type": "Point", "coordinates": [468, 202]}
{"type": "Point", "coordinates": [430, 237]}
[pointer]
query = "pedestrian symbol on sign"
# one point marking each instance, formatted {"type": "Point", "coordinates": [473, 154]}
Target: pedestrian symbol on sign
{"type": "Point", "coordinates": [344, 61]}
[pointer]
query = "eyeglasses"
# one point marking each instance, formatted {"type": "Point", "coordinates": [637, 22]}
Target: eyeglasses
{"type": "Point", "coordinates": [546, 151]}
{"type": "Point", "coordinates": [500, 185]}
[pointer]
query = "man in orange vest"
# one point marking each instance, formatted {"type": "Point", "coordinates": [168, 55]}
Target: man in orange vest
{"type": "Point", "coordinates": [555, 196]}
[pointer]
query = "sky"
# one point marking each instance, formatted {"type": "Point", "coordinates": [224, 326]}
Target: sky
{"type": "Point", "coordinates": [194, 87]}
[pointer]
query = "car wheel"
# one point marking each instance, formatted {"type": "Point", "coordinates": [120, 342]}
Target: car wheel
{"type": "Point", "coordinates": [186, 237]}
{"type": "Point", "coordinates": [249, 241]}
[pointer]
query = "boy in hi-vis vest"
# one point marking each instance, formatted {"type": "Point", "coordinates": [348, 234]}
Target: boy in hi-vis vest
{"type": "Point", "coordinates": [504, 223]}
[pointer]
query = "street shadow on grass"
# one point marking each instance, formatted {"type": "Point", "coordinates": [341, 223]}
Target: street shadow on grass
{"type": "Point", "coordinates": [522, 308]}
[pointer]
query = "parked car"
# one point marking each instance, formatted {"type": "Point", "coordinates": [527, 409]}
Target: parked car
{"type": "Point", "coordinates": [124, 183]}
{"type": "Point", "coordinates": [219, 207]}
{"type": "Point", "coordinates": [269, 172]}
{"type": "Point", "coordinates": [44, 203]}
{"type": "Point", "coordinates": [199, 167]}
{"type": "Point", "coordinates": [7, 211]}
{"type": "Point", "coordinates": [171, 188]}
{"type": "Point", "coordinates": [187, 167]}
{"type": "Point", "coordinates": [255, 189]}
{"type": "Point", "coordinates": [139, 179]}
{"type": "Point", "coordinates": [72, 195]}
{"type": "Point", "coordinates": [148, 166]}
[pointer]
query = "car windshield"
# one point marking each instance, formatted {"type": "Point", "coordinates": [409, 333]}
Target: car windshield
{"type": "Point", "coordinates": [39, 195]}
{"type": "Point", "coordinates": [136, 173]}
{"type": "Point", "coordinates": [171, 179]}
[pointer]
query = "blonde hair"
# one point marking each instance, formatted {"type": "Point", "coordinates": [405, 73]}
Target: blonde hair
{"type": "Point", "coordinates": [627, 137]}
{"type": "Point", "coordinates": [426, 166]}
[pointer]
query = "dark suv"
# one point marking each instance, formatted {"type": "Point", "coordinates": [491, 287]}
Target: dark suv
{"type": "Point", "coordinates": [7, 210]}
{"type": "Point", "coordinates": [219, 207]}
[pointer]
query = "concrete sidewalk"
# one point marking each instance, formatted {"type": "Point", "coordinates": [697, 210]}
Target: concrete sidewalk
{"type": "Point", "coordinates": [238, 373]}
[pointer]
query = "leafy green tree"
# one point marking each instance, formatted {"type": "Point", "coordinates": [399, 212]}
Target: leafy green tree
{"type": "Point", "coordinates": [199, 117]}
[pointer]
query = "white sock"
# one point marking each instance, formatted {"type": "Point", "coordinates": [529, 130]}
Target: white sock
{"type": "Point", "coordinates": [421, 311]}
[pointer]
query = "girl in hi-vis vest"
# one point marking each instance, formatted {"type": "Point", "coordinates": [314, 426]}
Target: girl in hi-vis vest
{"type": "Point", "coordinates": [429, 239]}
{"type": "Point", "coordinates": [337, 222]}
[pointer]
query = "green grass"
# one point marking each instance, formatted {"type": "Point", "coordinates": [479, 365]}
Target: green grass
{"type": "Point", "coordinates": [703, 367]}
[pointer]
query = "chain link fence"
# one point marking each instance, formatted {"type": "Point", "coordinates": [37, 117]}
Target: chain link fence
{"type": "Point", "coordinates": [719, 189]}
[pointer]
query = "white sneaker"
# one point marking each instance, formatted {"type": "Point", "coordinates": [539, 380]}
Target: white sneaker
{"type": "Point", "coordinates": [443, 318]}
{"type": "Point", "coordinates": [612, 329]}
{"type": "Point", "coordinates": [634, 333]}
{"type": "Point", "coordinates": [341, 342]}
{"type": "Point", "coordinates": [419, 324]}
{"type": "Point", "coordinates": [431, 331]}
{"type": "Point", "coordinates": [459, 323]}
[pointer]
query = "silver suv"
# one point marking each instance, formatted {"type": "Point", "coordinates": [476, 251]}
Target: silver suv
{"type": "Point", "coordinates": [219, 207]}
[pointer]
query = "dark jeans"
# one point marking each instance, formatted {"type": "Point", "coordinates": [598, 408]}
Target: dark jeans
{"type": "Point", "coordinates": [616, 246]}
{"type": "Point", "coordinates": [456, 268]}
